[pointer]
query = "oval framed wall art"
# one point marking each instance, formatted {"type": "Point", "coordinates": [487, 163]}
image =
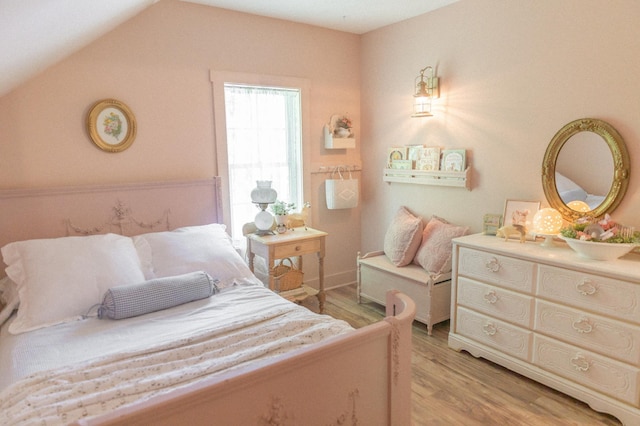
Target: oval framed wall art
{"type": "Point", "coordinates": [111, 125]}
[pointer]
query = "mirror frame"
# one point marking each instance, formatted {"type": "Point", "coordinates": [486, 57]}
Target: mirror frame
{"type": "Point", "coordinates": [620, 167]}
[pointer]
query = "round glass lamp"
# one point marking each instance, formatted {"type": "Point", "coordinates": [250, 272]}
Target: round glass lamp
{"type": "Point", "coordinates": [547, 222]}
{"type": "Point", "coordinates": [579, 206]}
{"type": "Point", "coordinates": [263, 195]}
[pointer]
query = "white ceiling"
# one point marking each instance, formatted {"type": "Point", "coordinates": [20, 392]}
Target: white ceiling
{"type": "Point", "coordinates": [36, 34]}
{"type": "Point", "coordinates": [354, 16]}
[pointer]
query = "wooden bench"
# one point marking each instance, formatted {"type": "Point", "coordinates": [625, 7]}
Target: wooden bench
{"type": "Point", "coordinates": [376, 275]}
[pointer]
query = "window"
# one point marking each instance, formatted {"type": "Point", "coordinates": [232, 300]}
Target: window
{"type": "Point", "coordinates": [263, 143]}
{"type": "Point", "coordinates": [261, 135]}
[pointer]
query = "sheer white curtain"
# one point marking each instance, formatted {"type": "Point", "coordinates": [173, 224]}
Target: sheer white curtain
{"type": "Point", "coordinates": [263, 143]}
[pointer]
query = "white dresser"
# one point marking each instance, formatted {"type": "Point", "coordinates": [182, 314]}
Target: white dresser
{"type": "Point", "coordinates": [570, 323]}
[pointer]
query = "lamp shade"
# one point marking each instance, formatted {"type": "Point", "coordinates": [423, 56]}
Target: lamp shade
{"type": "Point", "coordinates": [547, 221]}
{"type": "Point", "coordinates": [263, 193]}
{"type": "Point", "coordinates": [579, 206]}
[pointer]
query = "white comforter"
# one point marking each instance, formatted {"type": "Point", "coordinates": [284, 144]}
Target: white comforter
{"type": "Point", "coordinates": [66, 372]}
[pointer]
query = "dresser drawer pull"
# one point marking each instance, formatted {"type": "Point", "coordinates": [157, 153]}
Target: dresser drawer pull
{"type": "Point", "coordinates": [489, 329]}
{"type": "Point", "coordinates": [580, 363]}
{"type": "Point", "coordinates": [586, 287]}
{"type": "Point", "coordinates": [298, 248]}
{"type": "Point", "coordinates": [492, 265]}
{"type": "Point", "coordinates": [582, 326]}
{"type": "Point", "coordinates": [490, 297]}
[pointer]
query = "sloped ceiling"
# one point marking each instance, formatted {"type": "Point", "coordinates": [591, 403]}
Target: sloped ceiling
{"type": "Point", "coordinates": [36, 34]}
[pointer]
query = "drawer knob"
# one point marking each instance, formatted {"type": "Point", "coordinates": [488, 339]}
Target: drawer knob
{"type": "Point", "coordinates": [582, 326]}
{"type": "Point", "coordinates": [491, 297]}
{"type": "Point", "coordinates": [586, 287]}
{"type": "Point", "coordinates": [580, 362]}
{"type": "Point", "coordinates": [492, 265]}
{"type": "Point", "coordinates": [489, 329]}
{"type": "Point", "coordinates": [298, 248]}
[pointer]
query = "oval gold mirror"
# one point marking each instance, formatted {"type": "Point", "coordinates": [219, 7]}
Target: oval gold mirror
{"type": "Point", "coordinates": [585, 170]}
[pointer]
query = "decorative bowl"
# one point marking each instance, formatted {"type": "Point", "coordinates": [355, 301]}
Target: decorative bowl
{"type": "Point", "coordinates": [598, 251]}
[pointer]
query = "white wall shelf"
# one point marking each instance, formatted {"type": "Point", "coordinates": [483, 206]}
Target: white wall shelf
{"type": "Point", "coordinates": [331, 142]}
{"type": "Point", "coordinates": [435, 178]}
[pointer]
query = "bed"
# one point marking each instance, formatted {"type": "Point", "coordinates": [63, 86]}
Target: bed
{"type": "Point", "coordinates": [231, 352]}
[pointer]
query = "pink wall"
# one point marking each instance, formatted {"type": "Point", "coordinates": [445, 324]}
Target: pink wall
{"type": "Point", "coordinates": [512, 74]}
{"type": "Point", "coordinates": [158, 63]}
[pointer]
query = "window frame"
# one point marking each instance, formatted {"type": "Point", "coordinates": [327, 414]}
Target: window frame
{"type": "Point", "coordinates": [218, 80]}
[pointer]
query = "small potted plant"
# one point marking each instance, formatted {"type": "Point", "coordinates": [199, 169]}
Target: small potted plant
{"type": "Point", "coordinates": [281, 211]}
{"type": "Point", "coordinates": [342, 127]}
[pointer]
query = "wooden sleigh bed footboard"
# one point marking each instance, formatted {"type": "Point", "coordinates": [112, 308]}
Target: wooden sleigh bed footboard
{"type": "Point", "coordinates": [360, 378]}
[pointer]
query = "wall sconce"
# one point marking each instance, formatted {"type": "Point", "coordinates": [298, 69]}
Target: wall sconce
{"type": "Point", "coordinates": [425, 89]}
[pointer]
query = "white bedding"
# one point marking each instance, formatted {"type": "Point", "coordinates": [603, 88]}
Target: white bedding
{"type": "Point", "coordinates": [83, 368]}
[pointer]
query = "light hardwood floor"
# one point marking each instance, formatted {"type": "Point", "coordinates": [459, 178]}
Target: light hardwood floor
{"type": "Point", "coordinates": [454, 388]}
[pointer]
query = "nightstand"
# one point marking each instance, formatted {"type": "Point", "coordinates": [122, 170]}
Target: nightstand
{"type": "Point", "coordinates": [293, 243]}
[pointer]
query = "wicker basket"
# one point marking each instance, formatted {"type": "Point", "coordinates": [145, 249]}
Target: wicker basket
{"type": "Point", "coordinates": [287, 277]}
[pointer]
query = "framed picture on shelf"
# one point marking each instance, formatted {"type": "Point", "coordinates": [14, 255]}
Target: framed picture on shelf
{"type": "Point", "coordinates": [518, 212]}
{"type": "Point", "coordinates": [429, 160]}
{"type": "Point", "coordinates": [396, 153]}
{"type": "Point", "coordinates": [491, 223]}
{"type": "Point", "coordinates": [454, 160]}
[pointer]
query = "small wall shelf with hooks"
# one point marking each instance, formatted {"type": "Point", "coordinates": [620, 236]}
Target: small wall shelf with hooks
{"type": "Point", "coordinates": [336, 137]}
{"type": "Point", "coordinates": [434, 178]}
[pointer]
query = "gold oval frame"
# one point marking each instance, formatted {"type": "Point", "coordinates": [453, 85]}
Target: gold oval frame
{"type": "Point", "coordinates": [620, 167]}
{"type": "Point", "coordinates": [118, 113]}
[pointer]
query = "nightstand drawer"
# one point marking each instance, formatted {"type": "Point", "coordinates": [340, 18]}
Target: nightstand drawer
{"type": "Point", "coordinates": [296, 248]}
{"type": "Point", "coordinates": [495, 269]}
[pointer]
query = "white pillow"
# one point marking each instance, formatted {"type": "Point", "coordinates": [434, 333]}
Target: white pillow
{"type": "Point", "coordinates": [59, 279]}
{"type": "Point", "coordinates": [205, 248]}
{"type": "Point", "coordinates": [9, 300]}
{"type": "Point", "coordinates": [564, 184]}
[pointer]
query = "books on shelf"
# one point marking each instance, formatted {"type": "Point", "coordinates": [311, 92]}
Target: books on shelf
{"type": "Point", "coordinates": [426, 158]}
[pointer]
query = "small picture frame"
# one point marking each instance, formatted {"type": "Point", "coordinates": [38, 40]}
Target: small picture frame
{"type": "Point", "coordinates": [491, 223]}
{"type": "Point", "coordinates": [517, 212]}
{"type": "Point", "coordinates": [453, 160]}
{"type": "Point", "coordinates": [111, 125]}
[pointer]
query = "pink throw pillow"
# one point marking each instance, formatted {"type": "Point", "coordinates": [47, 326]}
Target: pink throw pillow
{"type": "Point", "coordinates": [434, 253]}
{"type": "Point", "coordinates": [403, 237]}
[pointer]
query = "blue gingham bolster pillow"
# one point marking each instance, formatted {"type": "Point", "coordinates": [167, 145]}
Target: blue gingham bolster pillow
{"type": "Point", "coordinates": [154, 295]}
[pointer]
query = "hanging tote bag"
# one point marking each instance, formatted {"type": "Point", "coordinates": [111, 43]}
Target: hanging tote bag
{"type": "Point", "coordinates": [341, 193]}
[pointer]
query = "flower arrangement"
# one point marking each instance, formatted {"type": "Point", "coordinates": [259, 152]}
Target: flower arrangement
{"type": "Point", "coordinates": [343, 122]}
{"type": "Point", "coordinates": [605, 230]}
{"type": "Point", "coordinates": [281, 208]}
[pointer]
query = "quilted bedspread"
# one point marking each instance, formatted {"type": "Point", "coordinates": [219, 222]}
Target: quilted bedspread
{"type": "Point", "coordinates": [192, 341]}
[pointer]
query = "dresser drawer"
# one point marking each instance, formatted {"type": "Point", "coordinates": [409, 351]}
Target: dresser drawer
{"type": "Point", "coordinates": [495, 301]}
{"type": "Point", "coordinates": [603, 335]}
{"type": "Point", "coordinates": [605, 375]}
{"type": "Point", "coordinates": [498, 334]}
{"type": "Point", "coordinates": [296, 248]}
{"type": "Point", "coordinates": [619, 299]}
{"type": "Point", "coordinates": [495, 269]}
